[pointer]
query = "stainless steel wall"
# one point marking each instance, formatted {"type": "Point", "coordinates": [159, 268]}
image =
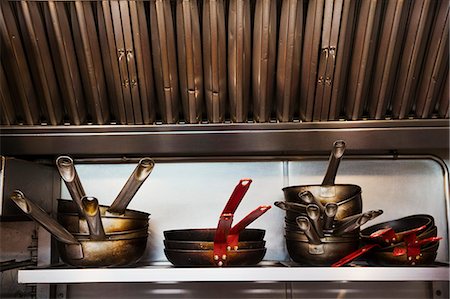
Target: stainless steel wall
{"type": "Point", "coordinates": [192, 195]}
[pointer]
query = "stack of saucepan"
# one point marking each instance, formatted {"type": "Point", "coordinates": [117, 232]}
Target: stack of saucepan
{"type": "Point", "coordinates": [93, 235]}
{"type": "Point", "coordinates": [225, 245]}
{"type": "Point", "coordinates": [406, 241]}
{"type": "Point", "coordinates": [322, 222]}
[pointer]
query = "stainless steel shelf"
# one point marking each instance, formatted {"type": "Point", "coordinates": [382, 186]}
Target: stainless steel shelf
{"type": "Point", "coordinates": [164, 273]}
{"type": "Point", "coordinates": [233, 139]}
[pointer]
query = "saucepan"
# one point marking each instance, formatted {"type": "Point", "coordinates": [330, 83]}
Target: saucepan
{"type": "Point", "coordinates": [81, 250]}
{"type": "Point", "coordinates": [346, 196]}
{"type": "Point", "coordinates": [114, 218]}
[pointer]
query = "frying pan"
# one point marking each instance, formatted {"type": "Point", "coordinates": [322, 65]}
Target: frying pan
{"type": "Point", "coordinates": [241, 257]}
{"type": "Point", "coordinates": [225, 238]}
{"type": "Point", "coordinates": [400, 226]}
{"type": "Point", "coordinates": [203, 245]}
{"type": "Point", "coordinates": [387, 258]}
{"type": "Point", "coordinates": [79, 250]}
{"type": "Point", "coordinates": [396, 238]}
{"type": "Point", "coordinates": [207, 234]}
{"type": "Point", "coordinates": [411, 253]}
{"type": "Point", "coordinates": [346, 196]}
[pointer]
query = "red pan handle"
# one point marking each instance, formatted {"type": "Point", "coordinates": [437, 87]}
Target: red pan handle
{"type": "Point", "coordinates": [354, 255]}
{"type": "Point", "coordinates": [413, 249]}
{"type": "Point", "coordinates": [233, 236]}
{"type": "Point", "coordinates": [226, 219]}
{"type": "Point", "coordinates": [237, 196]}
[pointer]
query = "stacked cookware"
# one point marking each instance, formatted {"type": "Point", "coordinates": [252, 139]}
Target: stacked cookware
{"type": "Point", "coordinates": [406, 241]}
{"type": "Point", "coordinates": [322, 222]}
{"type": "Point", "coordinates": [90, 234]}
{"type": "Point", "coordinates": [226, 245]}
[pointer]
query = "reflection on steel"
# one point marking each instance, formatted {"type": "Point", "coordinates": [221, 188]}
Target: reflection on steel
{"type": "Point", "coordinates": [226, 139]}
{"type": "Point", "coordinates": [120, 62]}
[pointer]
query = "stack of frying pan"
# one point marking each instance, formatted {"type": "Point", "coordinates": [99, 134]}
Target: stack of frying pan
{"type": "Point", "coordinates": [93, 235]}
{"type": "Point", "coordinates": [406, 241]}
{"type": "Point", "coordinates": [322, 221]}
{"type": "Point", "coordinates": [225, 245]}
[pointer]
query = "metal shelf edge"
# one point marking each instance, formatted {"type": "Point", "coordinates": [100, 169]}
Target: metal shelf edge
{"type": "Point", "coordinates": [242, 274]}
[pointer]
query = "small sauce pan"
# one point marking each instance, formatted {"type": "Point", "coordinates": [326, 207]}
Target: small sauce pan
{"type": "Point", "coordinates": [117, 249]}
{"type": "Point", "coordinates": [346, 196]}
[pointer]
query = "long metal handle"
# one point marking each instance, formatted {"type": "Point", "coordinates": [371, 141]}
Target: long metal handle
{"type": "Point", "coordinates": [352, 225]}
{"type": "Point", "coordinates": [313, 212]}
{"type": "Point", "coordinates": [40, 216]}
{"type": "Point", "coordinates": [93, 218]}
{"type": "Point", "coordinates": [70, 177]}
{"type": "Point", "coordinates": [333, 164]}
{"type": "Point", "coordinates": [290, 206]}
{"type": "Point", "coordinates": [309, 198]}
{"type": "Point", "coordinates": [305, 225]}
{"type": "Point", "coordinates": [329, 214]}
{"type": "Point", "coordinates": [137, 178]}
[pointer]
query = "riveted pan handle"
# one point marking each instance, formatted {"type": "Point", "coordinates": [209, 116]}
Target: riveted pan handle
{"type": "Point", "coordinates": [233, 236]}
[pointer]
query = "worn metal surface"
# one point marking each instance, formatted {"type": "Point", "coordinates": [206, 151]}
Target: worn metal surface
{"type": "Point", "coordinates": [98, 62]}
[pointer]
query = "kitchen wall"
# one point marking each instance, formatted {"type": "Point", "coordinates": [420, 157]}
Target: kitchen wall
{"type": "Point", "coordinates": [192, 195]}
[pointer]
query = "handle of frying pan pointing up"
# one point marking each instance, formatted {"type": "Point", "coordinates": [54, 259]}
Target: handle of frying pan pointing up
{"type": "Point", "coordinates": [233, 236]}
{"type": "Point", "coordinates": [226, 219]}
{"type": "Point", "coordinates": [69, 174]}
{"type": "Point", "coordinates": [134, 182]}
{"type": "Point", "coordinates": [333, 165]}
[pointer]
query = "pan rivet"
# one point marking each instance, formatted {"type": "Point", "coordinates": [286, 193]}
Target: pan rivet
{"type": "Point", "coordinates": [216, 257]}
{"type": "Point", "coordinates": [220, 264]}
{"type": "Point", "coordinates": [420, 254]}
{"type": "Point", "coordinates": [228, 248]}
{"type": "Point", "coordinates": [410, 258]}
{"type": "Point", "coordinates": [235, 248]}
{"type": "Point", "coordinates": [224, 257]}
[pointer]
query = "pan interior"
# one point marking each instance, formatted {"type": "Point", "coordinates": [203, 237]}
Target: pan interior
{"type": "Point", "coordinates": [343, 192]}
